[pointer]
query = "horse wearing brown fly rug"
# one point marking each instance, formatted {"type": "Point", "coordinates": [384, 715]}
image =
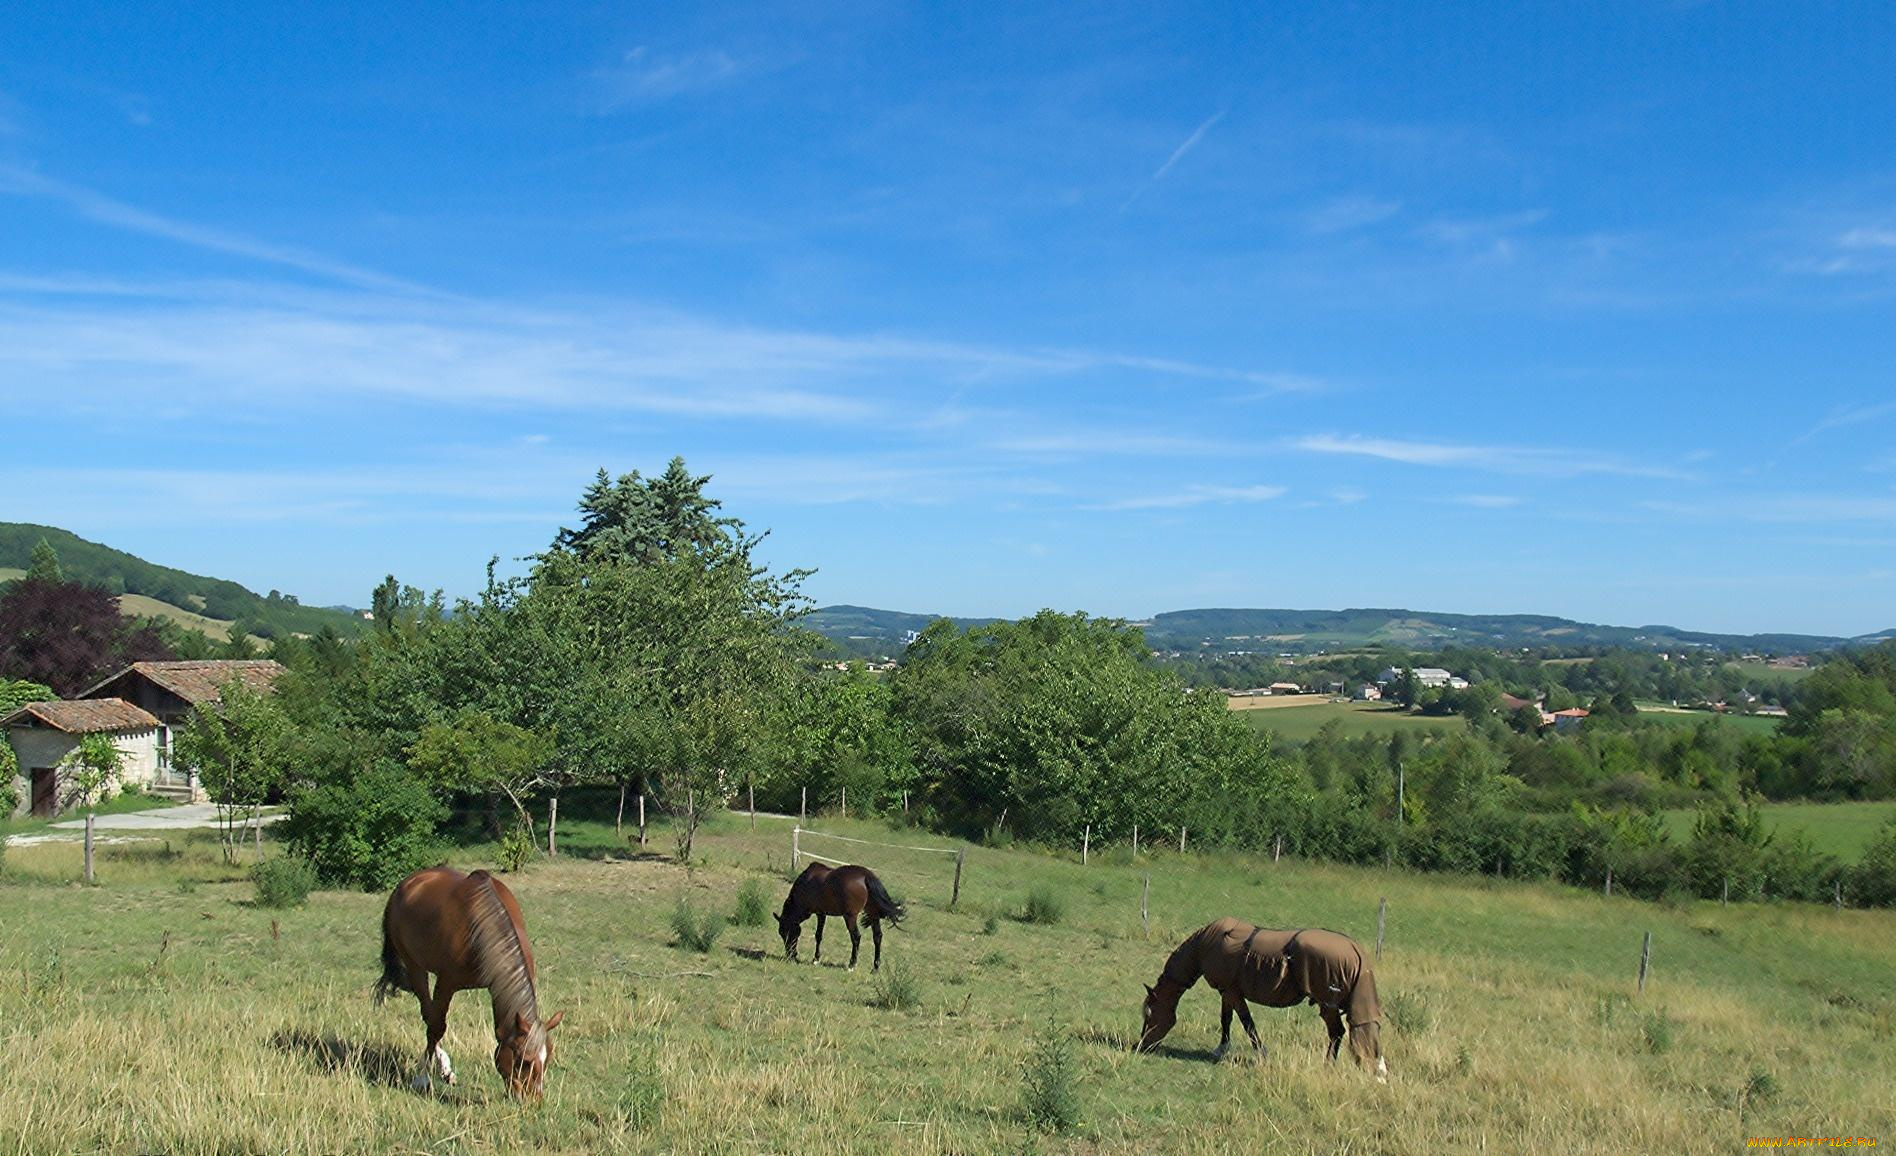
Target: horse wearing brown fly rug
{"type": "Point", "coordinates": [1247, 965]}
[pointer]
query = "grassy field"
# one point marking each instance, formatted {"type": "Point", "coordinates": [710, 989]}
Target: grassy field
{"type": "Point", "coordinates": [1745, 723]}
{"type": "Point", "coordinates": [1765, 672]}
{"type": "Point", "coordinates": [162, 1011]}
{"type": "Point", "coordinates": [1301, 721]}
{"type": "Point", "coordinates": [1841, 829]}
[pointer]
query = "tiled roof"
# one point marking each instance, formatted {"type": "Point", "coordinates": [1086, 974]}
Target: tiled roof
{"type": "Point", "coordinates": [202, 681]}
{"type": "Point", "coordinates": [85, 716]}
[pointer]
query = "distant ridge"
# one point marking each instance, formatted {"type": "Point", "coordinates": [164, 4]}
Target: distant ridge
{"type": "Point", "coordinates": [128, 574]}
{"type": "Point", "coordinates": [865, 631]}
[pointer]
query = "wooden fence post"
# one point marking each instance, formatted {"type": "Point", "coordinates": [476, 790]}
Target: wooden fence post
{"type": "Point", "coordinates": [552, 821]}
{"type": "Point", "coordinates": [1181, 839]}
{"type": "Point", "coordinates": [1135, 840]}
{"type": "Point", "coordinates": [1086, 843]}
{"type": "Point", "coordinates": [1145, 897]}
{"type": "Point", "coordinates": [641, 818]}
{"type": "Point", "coordinates": [1839, 895]}
{"type": "Point", "coordinates": [961, 855]}
{"type": "Point", "coordinates": [905, 802]}
{"type": "Point", "coordinates": [1609, 883]}
{"type": "Point", "coordinates": [1725, 896]}
{"type": "Point", "coordinates": [1382, 915]}
{"type": "Point", "coordinates": [803, 808]}
{"type": "Point", "coordinates": [796, 845]}
{"type": "Point", "coordinates": [845, 802]}
{"type": "Point", "coordinates": [1277, 852]}
{"type": "Point", "coordinates": [1645, 961]}
{"type": "Point", "coordinates": [751, 787]}
{"type": "Point", "coordinates": [89, 846]}
{"type": "Point", "coordinates": [618, 821]}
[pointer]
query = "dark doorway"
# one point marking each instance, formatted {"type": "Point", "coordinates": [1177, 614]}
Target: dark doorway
{"type": "Point", "coordinates": [45, 793]}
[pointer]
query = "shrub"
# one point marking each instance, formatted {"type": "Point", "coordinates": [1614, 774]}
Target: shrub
{"type": "Point", "coordinates": [695, 932]}
{"type": "Point", "coordinates": [1872, 882]}
{"type": "Point", "coordinates": [753, 906]}
{"type": "Point", "coordinates": [369, 831]}
{"type": "Point", "coordinates": [1411, 1014]}
{"type": "Point", "coordinates": [516, 849]}
{"type": "Point", "coordinates": [1656, 1029]}
{"type": "Point", "coordinates": [1051, 1101]}
{"type": "Point", "coordinates": [1044, 906]}
{"type": "Point", "coordinates": [285, 881]}
{"type": "Point", "coordinates": [896, 989]}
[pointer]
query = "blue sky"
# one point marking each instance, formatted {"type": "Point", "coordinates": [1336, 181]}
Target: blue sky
{"type": "Point", "coordinates": [1584, 310]}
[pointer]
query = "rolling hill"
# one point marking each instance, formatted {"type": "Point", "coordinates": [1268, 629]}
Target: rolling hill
{"type": "Point", "coordinates": [148, 590]}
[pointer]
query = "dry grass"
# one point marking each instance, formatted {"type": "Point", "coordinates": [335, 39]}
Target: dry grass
{"type": "Point", "coordinates": [143, 1016]}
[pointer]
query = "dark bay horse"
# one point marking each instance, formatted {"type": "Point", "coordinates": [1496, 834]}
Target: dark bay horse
{"type": "Point", "coordinates": [849, 891]}
{"type": "Point", "coordinates": [1276, 969]}
{"type": "Point", "coordinates": [467, 930]}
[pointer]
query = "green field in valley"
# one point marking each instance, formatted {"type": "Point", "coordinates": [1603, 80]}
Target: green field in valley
{"type": "Point", "coordinates": [1745, 723]}
{"type": "Point", "coordinates": [164, 1011]}
{"type": "Point", "coordinates": [1302, 722]}
{"type": "Point", "coordinates": [1840, 829]}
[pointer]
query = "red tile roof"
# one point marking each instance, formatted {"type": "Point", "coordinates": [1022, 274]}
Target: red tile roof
{"type": "Point", "coordinates": [203, 681]}
{"type": "Point", "coordinates": [85, 716]}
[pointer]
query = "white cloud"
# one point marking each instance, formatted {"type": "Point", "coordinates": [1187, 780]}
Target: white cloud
{"type": "Point", "coordinates": [1497, 459]}
{"type": "Point", "coordinates": [1196, 496]}
{"type": "Point", "coordinates": [98, 207]}
{"type": "Point", "coordinates": [643, 75]}
{"type": "Point", "coordinates": [1348, 214]}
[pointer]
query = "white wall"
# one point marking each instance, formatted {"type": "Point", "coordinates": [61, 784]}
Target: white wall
{"type": "Point", "coordinates": [45, 747]}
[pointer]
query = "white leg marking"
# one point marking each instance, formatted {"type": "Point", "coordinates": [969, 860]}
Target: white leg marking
{"type": "Point", "coordinates": [443, 1067]}
{"type": "Point", "coordinates": [1382, 1071]}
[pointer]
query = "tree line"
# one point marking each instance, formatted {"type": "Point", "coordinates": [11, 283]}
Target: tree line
{"type": "Point", "coordinates": [647, 650]}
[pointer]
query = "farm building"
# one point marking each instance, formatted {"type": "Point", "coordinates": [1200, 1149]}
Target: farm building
{"type": "Point", "coordinates": [42, 734]}
{"type": "Point", "coordinates": [1369, 692]}
{"type": "Point", "coordinates": [1425, 677]}
{"type": "Point", "coordinates": [168, 691]}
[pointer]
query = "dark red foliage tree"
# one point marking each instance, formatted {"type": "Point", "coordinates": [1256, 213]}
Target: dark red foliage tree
{"type": "Point", "coordinates": [69, 635]}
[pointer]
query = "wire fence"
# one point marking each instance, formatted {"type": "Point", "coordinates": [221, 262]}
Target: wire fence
{"type": "Point", "coordinates": [797, 853]}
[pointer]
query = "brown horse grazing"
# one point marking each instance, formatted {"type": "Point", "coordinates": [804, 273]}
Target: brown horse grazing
{"type": "Point", "coordinates": [848, 891]}
{"type": "Point", "coordinates": [1276, 969]}
{"type": "Point", "coordinates": [467, 930]}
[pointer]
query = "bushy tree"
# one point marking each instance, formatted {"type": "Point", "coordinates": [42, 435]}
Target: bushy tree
{"type": "Point", "coordinates": [68, 635]}
{"type": "Point", "coordinates": [241, 745]}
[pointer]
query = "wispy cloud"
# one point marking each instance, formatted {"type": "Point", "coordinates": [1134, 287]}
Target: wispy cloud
{"type": "Point", "coordinates": [1525, 460]}
{"type": "Point", "coordinates": [1488, 501]}
{"type": "Point", "coordinates": [1178, 154]}
{"type": "Point", "coordinates": [643, 75]}
{"type": "Point", "coordinates": [96, 206]}
{"type": "Point", "coordinates": [1348, 214]}
{"type": "Point", "coordinates": [1196, 496]}
{"type": "Point", "coordinates": [1853, 415]}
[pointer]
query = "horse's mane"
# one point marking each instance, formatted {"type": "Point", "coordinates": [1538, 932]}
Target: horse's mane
{"type": "Point", "coordinates": [499, 958]}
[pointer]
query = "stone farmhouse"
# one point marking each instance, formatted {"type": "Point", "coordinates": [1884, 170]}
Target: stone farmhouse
{"type": "Point", "coordinates": [140, 707]}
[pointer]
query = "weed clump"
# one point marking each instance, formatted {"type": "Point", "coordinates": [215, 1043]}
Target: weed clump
{"type": "Point", "coordinates": [1043, 906]}
{"type": "Point", "coordinates": [285, 881]}
{"type": "Point", "coordinates": [753, 906]}
{"type": "Point", "coordinates": [1411, 1014]}
{"type": "Point", "coordinates": [1051, 1098]}
{"type": "Point", "coordinates": [516, 849]}
{"type": "Point", "coordinates": [1656, 1029]}
{"type": "Point", "coordinates": [896, 989]}
{"type": "Point", "coordinates": [698, 933]}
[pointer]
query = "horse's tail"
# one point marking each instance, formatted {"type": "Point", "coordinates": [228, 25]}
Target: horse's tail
{"type": "Point", "coordinates": [890, 908]}
{"type": "Point", "coordinates": [394, 975]}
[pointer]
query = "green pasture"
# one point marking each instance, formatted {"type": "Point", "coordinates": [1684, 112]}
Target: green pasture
{"type": "Point", "coordinates": [1840, 829]}
{"type": "Point", "coordinates": [1301, 723]}
{"type": "Point", "coordinates": [163, 1011]}
{"type": "Point", "coordinates": [1743, 723]}
{"type": "Point", "coordinates": [1765, 672]}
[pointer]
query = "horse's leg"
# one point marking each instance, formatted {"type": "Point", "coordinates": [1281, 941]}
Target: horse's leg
{"type": "Point", "coordinates": [817, 956]}
{"type": "Point", "coordinates": [875, 929]}
{"type": "Point", "coordinates": [1333, 1019]}
{"type": "Point", "coordinates": [1224, 1034]}
{"type": "Point", "coordinates": [438, 1027]}
{"type": "Point", "coordinates": [855, 938]}
{"type": "Point", "coordinates": [1250, 1026]}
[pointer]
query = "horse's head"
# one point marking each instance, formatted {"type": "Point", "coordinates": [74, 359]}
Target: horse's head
{"type": "Point", "coordinates": [523, 1052]}
{"type": "Point", "coordinates": [791, 928]}
{"type": "Point", "coordinates": [1158, 1015]}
